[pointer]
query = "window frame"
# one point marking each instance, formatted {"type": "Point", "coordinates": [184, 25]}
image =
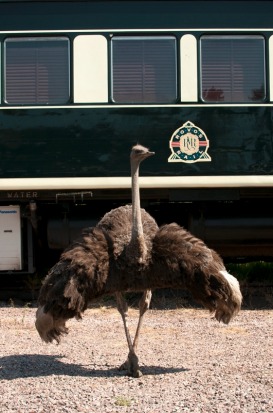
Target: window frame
{"type": "Point", "coordinates": [233, 36]}
{"type": "Point", "coordinates": [66, 89]}
{"type": "Point", "coordinates": [142, 37]}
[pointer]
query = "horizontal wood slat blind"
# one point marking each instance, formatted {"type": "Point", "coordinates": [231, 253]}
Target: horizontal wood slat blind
{"type": "Point", "coordinates": [37, 71]}
{"type": "Point", "coordinates": [233, 68]}
{"type": "Point", "coordinates": [144, 69]}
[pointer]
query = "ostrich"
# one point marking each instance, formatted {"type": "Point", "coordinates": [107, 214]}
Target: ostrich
{"type": "Point", "coordinates": [131, 230]}
{"type": "Point", "coordinates": [132, 242]}
{"type": "Point", "coordinates": [103, 262]}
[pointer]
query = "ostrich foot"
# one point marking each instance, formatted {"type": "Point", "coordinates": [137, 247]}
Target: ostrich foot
{"type": "Point", "coordinates": [131, 365]}
{"type": "Point", "coordinates": [124, 366]}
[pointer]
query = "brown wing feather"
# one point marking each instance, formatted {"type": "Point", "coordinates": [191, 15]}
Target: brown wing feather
{"type": "Point", "coordinates": [79, 276]}
{"type": "Point", "coordinates": [190, 264]}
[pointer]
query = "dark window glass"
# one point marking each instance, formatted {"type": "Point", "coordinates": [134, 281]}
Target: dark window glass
{"type": "Point", "coordinates": [37, 70]}
{"type": "Point", "coordinates": [233, 68]}
{"type": "Point", "coordinates": [144, 69]}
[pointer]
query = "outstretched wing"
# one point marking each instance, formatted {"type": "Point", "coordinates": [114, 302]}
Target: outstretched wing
{"type": "Point", "coordinates": [190, 264]}
{"type": "Point", "coordinates": [78, 277]}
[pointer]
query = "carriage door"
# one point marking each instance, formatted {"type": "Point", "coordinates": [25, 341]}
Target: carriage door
{"type": "Point", "coordinates": [10, 238]}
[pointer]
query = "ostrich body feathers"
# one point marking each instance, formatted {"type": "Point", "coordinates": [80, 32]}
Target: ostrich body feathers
{"type": "Point", "coordinates": [118, 225]}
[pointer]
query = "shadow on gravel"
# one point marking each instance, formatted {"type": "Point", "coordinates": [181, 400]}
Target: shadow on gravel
{"type": "Point", "coordinates": [36, 365]}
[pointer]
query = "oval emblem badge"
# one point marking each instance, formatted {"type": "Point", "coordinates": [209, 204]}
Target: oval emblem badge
{"type": "Point", "coordinates": [189, 144]}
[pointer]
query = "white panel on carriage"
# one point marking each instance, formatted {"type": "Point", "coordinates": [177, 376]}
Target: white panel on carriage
{"type": "Point", "coordinates": [90, 69]}
{"type": "Point", "coordinates": [271, 67]}
{"type": "Point", "coordinates": [188, 69]}
{"type": "Point", "coordinates": [10, 238]}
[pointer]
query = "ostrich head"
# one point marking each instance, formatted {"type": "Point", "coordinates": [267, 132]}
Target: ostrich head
{"type": "Point", "coordinates": [138, 154]}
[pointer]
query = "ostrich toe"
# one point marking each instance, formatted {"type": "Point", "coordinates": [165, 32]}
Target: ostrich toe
{"type": "Point", "coordinates": [132, 366]}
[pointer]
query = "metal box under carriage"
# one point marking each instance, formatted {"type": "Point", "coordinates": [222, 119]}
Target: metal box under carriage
{"type": "Point", "coordinates": [194, 90]}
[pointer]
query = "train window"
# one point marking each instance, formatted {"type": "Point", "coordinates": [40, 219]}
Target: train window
{"type": "Point", "coordinates": [232, 68]}
{"type": "Point", "coordinates": [36, 70]}
{"type": "Point", "coordinates": [270, 50]}
{"type": "Point", "coordinates": [144, 69]}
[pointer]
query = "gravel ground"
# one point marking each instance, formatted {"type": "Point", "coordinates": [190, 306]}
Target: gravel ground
{"type": "Point", "coordinates": [190, 363]}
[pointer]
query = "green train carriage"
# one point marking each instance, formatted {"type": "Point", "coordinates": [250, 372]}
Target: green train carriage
{"type": "Point", "coordinates": [82, 81]}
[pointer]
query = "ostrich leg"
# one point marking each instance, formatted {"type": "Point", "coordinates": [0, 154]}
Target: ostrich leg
{"type": "Point", "coordinates": [144, 305]}
{"type": "Point", "coordinates": [132, 362]}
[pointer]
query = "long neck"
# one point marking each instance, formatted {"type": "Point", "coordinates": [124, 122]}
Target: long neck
{"type": "Point", "coordinates": [137, 244]}
{"type": "Point", "coordinates": [137, 228]}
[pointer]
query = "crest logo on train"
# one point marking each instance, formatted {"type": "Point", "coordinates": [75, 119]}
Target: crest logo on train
{"type": "Point", "coordinates": [189, 144]}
